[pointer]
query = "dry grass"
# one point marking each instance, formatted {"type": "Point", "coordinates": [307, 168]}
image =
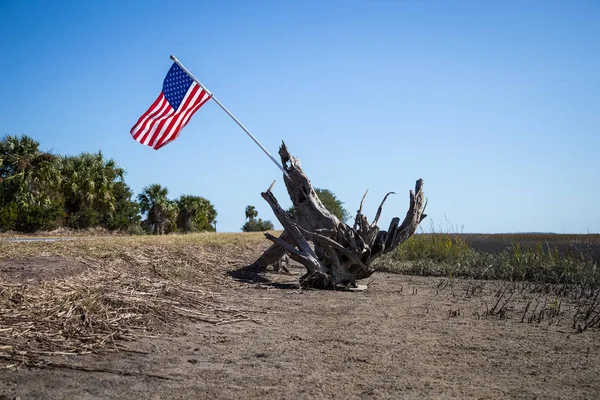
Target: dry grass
{"type": "Point", "coordinates": [118, 288]}
{"type": "Point", "coordinates": [128, 287]}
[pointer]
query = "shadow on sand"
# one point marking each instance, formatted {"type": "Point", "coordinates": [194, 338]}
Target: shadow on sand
{"type": "Point", "coordinates": [254, 274]}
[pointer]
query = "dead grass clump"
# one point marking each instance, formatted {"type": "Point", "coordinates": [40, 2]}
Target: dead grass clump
{"type": "Point", "coordinates": [588, 312]}
{"type": "Point", "coordinates": [130, 287]}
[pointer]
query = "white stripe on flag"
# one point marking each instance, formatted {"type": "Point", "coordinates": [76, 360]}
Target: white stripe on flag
{"type": "Point", "coordinates": [156, 122]}
{"type": "Point", "coordinates": [174, 133]}
{"type": "Point", "coordinates": [182, 117]}
{"type": "Point", "coordinates": [202, 101]}
{"type": "Point", "coordinates": [149, 123]}
{"type": "Point", "coordinates": [145, 120]}
{"type": "Point", "coordinates": [180, 111]}
{"type": "Point", "coordinates": [188, 115]}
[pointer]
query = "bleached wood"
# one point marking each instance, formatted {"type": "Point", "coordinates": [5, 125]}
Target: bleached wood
{"type": "Point", "coordinates": [340, 255]}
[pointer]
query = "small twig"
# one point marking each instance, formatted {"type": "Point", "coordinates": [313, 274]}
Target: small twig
{"type": "Point", "coordinates": [99, 369]}
{"type": "Point", "coordinates": [44, 363]}
{"type": "Point", "coordinates": [231, 321]}
{"type": "Point", "coordinates": [500, 296]}
{"type": "Point", "coordinates": [526, 309]}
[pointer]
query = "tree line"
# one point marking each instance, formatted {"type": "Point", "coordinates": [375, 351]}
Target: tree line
{"type": "Point", "coordinates": [43, 191]}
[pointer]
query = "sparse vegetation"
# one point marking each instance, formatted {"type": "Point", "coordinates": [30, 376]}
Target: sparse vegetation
{"type": "Point", "coordinates": [111, 289]}
{"type": "Point", "coordinates": [253, 224]}
{"type": "Point", "coordinates": [554, 259]}
{"type": "Point", "coordinates": [98, 295]}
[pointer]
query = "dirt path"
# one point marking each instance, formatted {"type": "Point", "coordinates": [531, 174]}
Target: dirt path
{"type": "Point", "coordinates": [405, 337]}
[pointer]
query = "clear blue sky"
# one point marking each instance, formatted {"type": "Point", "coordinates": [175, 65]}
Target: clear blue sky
{"type": "Point", "coordinates": [496, 105]}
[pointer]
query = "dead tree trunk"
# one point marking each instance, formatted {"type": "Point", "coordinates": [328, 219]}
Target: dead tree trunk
{"type": "Point", "coordinates": [340, 254]}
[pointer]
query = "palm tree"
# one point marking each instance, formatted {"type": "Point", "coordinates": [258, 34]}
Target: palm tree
{"type": "Point", "coordinates": [160, 210]}
{"type": "Point", "coordinates": [195, 213]}
{"type": "Point", "coordinates": [28, 185]}
{"type": "Point", "coordinates": [26, 171]}
{"type": "Point", "coordinates": [251, 213]}
{"type": "Point", "coordinates": [127, 210]}
{"type": "Point", "coordinates": [253, 225]}
{"type": "Point", "coordinates": [88, 184]}
{"type": "Point", "coordinates": [21, 156]}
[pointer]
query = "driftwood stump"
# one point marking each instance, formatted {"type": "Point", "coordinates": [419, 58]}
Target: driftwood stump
{"type": "Point", "coordinates": [340, 254]}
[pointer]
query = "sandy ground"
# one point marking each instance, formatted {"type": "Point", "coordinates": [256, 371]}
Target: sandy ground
{"type": "Point", "coordinates": [404, 337]}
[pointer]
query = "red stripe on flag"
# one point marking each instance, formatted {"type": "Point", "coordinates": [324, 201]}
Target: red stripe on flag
{"type": "Point", "coordinates": [142, 127]}
{"type": "Point", "coordinates": [152, 111]}
{"type": "Point", "coordinates": [164, 114]}
{"type": "Point", "coordinates": [202, 99]}
{"type": "Point", "coordinates": [182, 122]}
{"type": "Point", "coordinates": [143, 117]}
{"type": "Point", "coordinates": [176, 123]}
{"type": "Point", "coordinates": [162, 131]}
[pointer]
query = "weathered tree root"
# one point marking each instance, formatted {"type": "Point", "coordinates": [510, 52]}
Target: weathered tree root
{"type": "Point", "coordinates": [340, 255]}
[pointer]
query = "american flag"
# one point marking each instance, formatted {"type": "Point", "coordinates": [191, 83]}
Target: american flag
{"type": "Point", "coordinates": [180, 98]}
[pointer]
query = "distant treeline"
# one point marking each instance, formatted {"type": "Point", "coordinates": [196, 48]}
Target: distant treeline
{"type": "Point", "coordinates": [44, 191]}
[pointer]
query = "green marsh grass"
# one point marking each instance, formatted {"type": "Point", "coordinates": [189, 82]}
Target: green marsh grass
{"type": "Point", "coordinates": [556, 261]}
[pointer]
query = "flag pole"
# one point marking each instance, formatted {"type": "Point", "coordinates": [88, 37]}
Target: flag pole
{"type": "Point", "coordinates": [231, 115]}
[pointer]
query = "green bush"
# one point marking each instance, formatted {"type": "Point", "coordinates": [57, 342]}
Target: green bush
{"type": "Point", "coordinates": [35, 217]}
{"type": "Point", "coordinates": [257, 225]}
{"type": "Point", "coordinates": [8, 217]}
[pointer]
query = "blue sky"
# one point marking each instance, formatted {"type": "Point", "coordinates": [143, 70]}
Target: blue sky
{"type": "Point", "coordinates": [496, 105]}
